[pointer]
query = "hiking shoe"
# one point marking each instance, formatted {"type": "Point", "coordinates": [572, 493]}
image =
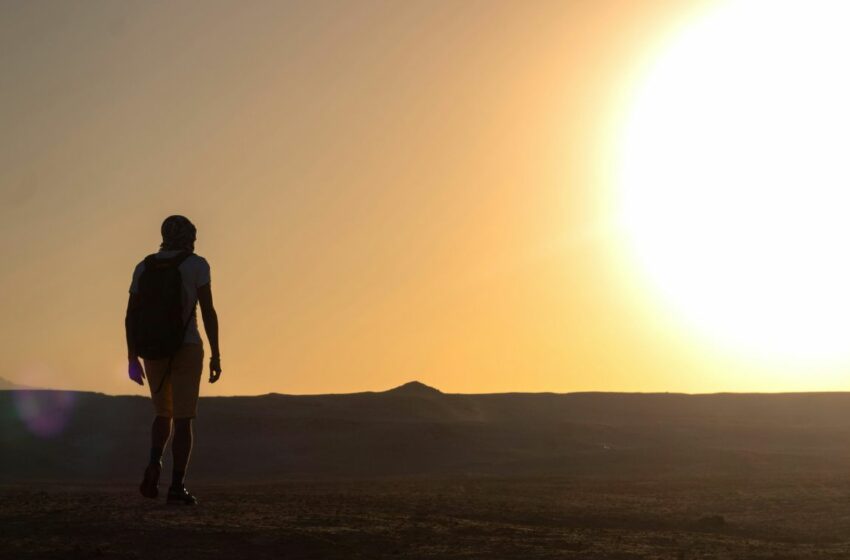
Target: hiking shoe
{"type": "Point", "coordinates": [150, 483]}
{"type": "Point", "coordinates": [181, 496]}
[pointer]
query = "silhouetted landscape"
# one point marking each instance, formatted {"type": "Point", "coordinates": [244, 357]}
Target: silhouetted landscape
{"type": "Point", "coordinates": [416, 473]}
{"type": "Point", "coordinates": [417, 430]}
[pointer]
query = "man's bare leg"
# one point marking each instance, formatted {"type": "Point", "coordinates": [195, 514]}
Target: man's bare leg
{"type": "Point", "coordinates": [181, 450]}
{"type": "Point", "coordinates": [160, 432]}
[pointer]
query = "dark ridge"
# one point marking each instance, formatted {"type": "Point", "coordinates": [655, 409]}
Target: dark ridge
{"type": "Point", "coordinates": [417, 430]}
{"type": "Point", "coordinates": [414, 388]}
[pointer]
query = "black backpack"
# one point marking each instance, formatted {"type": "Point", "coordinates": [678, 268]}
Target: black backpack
{"type": "Point", "coordinates": [159, 327]}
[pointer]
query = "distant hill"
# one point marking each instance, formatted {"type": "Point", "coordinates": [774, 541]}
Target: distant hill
{"type": "Point", "coordinates": [6, 385]}
{"type": "Point", "coordinates": [415, 388]}
{"type": "Point", "coordinates": [418, 430]}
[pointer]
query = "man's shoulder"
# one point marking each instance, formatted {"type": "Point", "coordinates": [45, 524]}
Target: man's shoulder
{"type": "Point", "coordinates": [199, 268]}
{"type": "Point", "coordinates": [198, 260]}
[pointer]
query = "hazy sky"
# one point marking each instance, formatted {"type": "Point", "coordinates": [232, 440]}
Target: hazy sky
{"type": "Point", "coordinates": [385, 191]}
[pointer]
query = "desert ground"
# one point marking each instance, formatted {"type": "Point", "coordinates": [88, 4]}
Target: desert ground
{"type": "Point", "coordinates": [416, 473]}
{"type": "Point", "coordinates": [455, 517]}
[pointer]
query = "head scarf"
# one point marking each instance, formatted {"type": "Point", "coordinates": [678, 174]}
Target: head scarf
{"type": "Point", "coordinates": [178, 233]}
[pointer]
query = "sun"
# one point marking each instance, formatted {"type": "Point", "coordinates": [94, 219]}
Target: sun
{"type": "Point", "coordinates": [734, 178]}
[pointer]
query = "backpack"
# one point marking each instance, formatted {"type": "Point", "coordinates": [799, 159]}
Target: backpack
{"type": "Point", "coordinates": [159, 328]}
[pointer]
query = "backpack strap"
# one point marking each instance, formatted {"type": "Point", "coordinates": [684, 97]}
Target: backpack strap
{"type": "Point", "coordinates": [179, 260]}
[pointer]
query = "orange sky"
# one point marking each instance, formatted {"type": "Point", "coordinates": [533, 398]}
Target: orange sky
{"type": "Point", "coordinates": [385, 191]}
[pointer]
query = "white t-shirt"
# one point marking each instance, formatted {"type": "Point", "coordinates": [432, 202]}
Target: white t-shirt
{"type": "Point", "coordinates": [195, 272]}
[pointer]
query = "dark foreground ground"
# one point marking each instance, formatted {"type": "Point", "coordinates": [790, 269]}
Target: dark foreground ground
{"type": "Point", "coordinates": [487, 518]}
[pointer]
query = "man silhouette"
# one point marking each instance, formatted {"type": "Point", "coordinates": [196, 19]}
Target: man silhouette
{"type": "Point", "coordinates": [174, 381]}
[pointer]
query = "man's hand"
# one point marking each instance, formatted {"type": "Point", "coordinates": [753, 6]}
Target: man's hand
{"type": "Point", "coordinates": [135, 370]}
{"type": "Point", "coordinates": [215, 368]}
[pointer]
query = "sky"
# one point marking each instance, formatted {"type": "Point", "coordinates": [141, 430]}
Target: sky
{"type": "Point", "coordinates": [385, 191]}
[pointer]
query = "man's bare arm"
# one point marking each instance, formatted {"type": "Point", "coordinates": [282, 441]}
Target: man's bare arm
{"type": "Point", "coordinates": [129, 322]}
{"type": "Point", "coordinates": [135, 367]}
{"type": "Point", "coordinates": [211, 327]}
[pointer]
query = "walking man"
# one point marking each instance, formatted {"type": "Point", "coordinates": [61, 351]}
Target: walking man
{"type": "Point", "coordinates": [162, 329]}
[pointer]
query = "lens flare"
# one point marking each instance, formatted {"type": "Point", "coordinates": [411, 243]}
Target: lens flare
{"type": "Point", "coordinates": [45, 413]}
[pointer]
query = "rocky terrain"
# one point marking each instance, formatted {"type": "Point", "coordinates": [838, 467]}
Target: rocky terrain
{"type": "Point", "coordinates": [416, 473]}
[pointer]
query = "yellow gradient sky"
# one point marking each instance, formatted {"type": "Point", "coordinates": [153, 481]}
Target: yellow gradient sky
{"type": "Point", "coordinates": [386, 191]}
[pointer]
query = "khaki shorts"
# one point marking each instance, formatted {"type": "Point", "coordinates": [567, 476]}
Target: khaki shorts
{"type": "Point", "coordinates": [177, 394]}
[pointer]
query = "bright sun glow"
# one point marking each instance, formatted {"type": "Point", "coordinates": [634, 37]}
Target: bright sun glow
{"type": "Point", "coordinates": [735, 178]}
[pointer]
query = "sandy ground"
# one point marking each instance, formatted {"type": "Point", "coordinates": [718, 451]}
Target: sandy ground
{"type": "Point", "coordinates": [438, 518]}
